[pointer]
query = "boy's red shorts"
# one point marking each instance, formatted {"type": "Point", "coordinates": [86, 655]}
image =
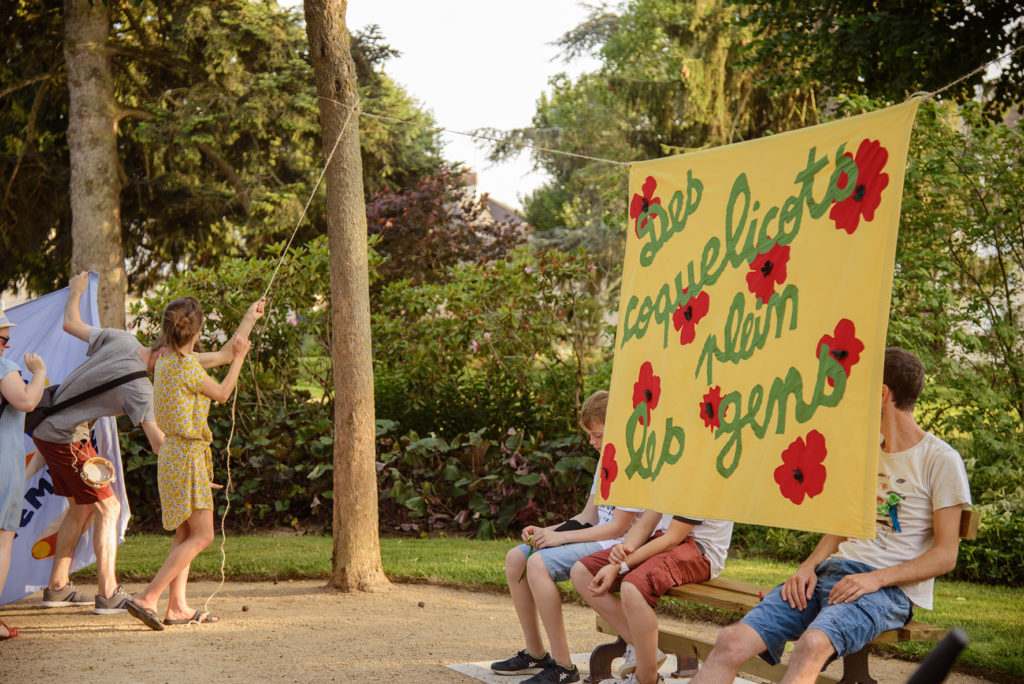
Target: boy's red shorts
{"type": "Point", "coordinates": [66, 481]}
{"type": "Point", "coordinates": [656, 575]}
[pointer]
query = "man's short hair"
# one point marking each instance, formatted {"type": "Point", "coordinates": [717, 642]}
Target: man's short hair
{"type": "Point", "coordinates": [594, 409]}
{"type": "Point", "coordinates": [904, 376]}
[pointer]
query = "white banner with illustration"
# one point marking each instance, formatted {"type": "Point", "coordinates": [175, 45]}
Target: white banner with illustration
{"type": "Point", "coordinates": [39, 330]}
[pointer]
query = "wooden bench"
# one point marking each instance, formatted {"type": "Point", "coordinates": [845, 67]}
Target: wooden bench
{"type": "Point", "coordinates": [732, 595]}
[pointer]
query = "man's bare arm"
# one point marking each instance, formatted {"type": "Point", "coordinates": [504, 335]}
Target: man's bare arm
{"type": "Point", "coordinates": [73, 323]}
{"type": "Point", "coordinates": [938, 560]}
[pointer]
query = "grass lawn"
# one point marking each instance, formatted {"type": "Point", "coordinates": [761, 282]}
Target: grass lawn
{"type": "Point", "coordinates": [992, 616]}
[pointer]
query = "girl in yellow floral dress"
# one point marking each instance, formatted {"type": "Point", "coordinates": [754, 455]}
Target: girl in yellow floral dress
{"type": "Point", "coordinates": [181, 399]}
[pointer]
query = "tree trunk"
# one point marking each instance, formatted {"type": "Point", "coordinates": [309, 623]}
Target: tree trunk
{"type": "Point", "coordinates": [92, 143]}
{"type": "Point", "coordinates": [355, 563]}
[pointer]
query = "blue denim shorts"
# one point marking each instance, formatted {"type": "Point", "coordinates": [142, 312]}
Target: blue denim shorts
{"type": "Point", "coordinates": [560, 559]}
{"type": "Point", "coordinates": [849, 626]}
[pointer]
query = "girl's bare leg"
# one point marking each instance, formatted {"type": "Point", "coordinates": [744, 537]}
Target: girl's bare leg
{"type": "Point", "coordinates": [196, 534]}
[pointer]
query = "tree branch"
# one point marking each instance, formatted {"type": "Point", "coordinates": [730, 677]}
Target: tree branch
{"type": "Point", "coordinates": [26, 83]}
{"type": "Point", "coordinates": [30, 134]}
{"type": "Point", "coordinates": [129, 112]}
{"type": "Point", "coordinates": [229, 173]}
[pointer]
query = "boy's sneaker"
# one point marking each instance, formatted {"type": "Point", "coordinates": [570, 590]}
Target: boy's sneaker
{"type": "Point", "coordinates": [112, 604]}
{"type": "Point", "coordinates": [521, 663]}
{"type": "Point", "coordinates": [554, 674]}
{"type": "Point", "coordinates": [628, 665]}
{"type": "Point", "coordinates": [61, 598]}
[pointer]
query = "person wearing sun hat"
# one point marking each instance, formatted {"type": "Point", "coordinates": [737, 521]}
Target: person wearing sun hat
{"type": "Point", "coordinates": [17, 399]}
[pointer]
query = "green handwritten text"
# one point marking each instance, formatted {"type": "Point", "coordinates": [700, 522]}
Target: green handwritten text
{"type": "Point", "coordinates": [734, 419]}
{"type": "Point", "coordinates": [642, 445]}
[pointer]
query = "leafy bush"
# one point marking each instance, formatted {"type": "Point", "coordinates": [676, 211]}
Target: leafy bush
{"type": "Point", "coordinates": [297, 322]}
{"type": "Point", "coordinates": [426, 229]}
{"type": "Point", "coordinates": [474, 484]}
{"type": "Point", "coordinates": [528, 374]}
{"type": "Point", "coordinates": [997, 555]}
{"type": "Point", "coordinates": [281, 466]}
{"type": "Point", "coordinates": [504, 344]}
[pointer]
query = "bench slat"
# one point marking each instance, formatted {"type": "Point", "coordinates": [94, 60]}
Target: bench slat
{"type": "Point", "coordinates": [714, 596]}
{"type": "Point", "coordinates": [969, 524]}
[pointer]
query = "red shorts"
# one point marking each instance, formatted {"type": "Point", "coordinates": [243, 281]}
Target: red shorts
{"type": "Point", "coordinates": [66, 480]}
{"type": "Point", "coordinates": [656, 575]}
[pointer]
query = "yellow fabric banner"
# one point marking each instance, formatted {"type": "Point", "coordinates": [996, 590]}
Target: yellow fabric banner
{"type": "Point", "coordinates": [751, 332]}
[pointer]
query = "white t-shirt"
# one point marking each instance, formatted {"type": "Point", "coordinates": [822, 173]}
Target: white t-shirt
{"type": "Point", "coordinates": [912, 485]}
{"type": "Point", "coordinates": [605, 513]}
{"type": "Point", "coordinates": [713, 536]}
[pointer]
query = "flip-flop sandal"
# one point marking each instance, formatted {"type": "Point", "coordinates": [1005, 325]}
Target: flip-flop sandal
{"type": "Point", "coordinates": [11, 631]}
{"type": "Point", "coordinates": [147, 615]}
{"type": "Point", "coordinates": [199, 617]}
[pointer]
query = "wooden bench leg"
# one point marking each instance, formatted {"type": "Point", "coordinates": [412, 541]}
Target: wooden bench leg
{"type": "Point", "coordinates": [601, 660]}
{"type": "Point", "coordinates": [855, 668]}
{"type": "Point", "coordinates": [686, 666]}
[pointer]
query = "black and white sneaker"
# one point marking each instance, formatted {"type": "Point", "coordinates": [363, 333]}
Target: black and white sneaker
{"type": "Point", "coordinates": [521, 663]}
{"type": "Point", "coordinates": [555, 674]}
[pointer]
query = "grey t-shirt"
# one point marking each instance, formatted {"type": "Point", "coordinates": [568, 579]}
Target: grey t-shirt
{"type": "Point", "coordinates": [112, 354]}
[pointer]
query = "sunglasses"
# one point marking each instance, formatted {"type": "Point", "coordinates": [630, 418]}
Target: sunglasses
{"type": "Point", "coordinates": [7, 340]}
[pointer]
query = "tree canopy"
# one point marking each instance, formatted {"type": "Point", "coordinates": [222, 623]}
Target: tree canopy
{"type": "Point", "coordinates": [218, 134]}
{"type": "Point", "coordinates": [888, 49]}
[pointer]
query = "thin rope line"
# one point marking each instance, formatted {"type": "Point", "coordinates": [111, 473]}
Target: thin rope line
{"type": "Point", "coordinates": [504, 141]}
{"type": "Point", "coordinates": [925, 95]}
{"type": "Point", "coordinates": [234, 399]}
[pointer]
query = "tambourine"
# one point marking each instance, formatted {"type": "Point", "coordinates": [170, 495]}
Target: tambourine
{"type": "Point", "coordinates": [97, 472]}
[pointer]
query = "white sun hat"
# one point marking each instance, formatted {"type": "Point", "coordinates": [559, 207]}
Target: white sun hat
{"type": "Point", "coordinates": [4, 321]}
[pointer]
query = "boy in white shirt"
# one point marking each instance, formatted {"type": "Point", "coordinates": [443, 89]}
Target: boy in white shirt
{"type": "Point", "coordinates": [546, 558]}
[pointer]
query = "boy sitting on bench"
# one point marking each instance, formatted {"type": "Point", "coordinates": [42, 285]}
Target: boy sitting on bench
{"type": "Point", "coordinates": [659, 552]}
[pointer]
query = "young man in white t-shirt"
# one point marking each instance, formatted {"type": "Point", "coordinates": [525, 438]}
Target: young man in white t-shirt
{"type": "Point", "coordinates": [849, 591]}
{"type": "Point", "coordinates": [532, 570]}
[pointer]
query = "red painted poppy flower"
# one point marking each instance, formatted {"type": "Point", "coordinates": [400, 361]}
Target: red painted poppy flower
{"type": "Point", "coordinates": [767, 270]}
{"type": "Point", "coordinates": [609, 470]}
{"type": "Point", "coordinates": [709, 407]}
{"type": "Point", "coordinates": [642, 203]}
{"type": "Point", "coordinates": [865, 198]}
{"type": "Point", "coordinates": [843, 346]}
{"type": "Point", "coordinates": [647, 388]}
{"type": "Point", "coordinates": [687, 316]}
{"type": "Point", "coordinates": [802, 472]}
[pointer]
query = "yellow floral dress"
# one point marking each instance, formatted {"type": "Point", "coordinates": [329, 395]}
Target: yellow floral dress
{"type": "Point", "coordinates": [184, 465]}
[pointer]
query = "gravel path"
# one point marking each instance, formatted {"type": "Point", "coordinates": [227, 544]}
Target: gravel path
{"type": "Point", "coordinates": [294, 631]}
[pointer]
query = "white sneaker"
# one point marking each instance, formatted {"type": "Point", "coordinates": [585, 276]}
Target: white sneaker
{"type": "Point", "coordinates": [631, 679]}
{"type": "Point", "coordinates": [628, 665]}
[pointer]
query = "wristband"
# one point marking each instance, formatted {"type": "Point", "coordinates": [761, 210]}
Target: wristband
{"type": "Point", "coordinates": [623, 568]}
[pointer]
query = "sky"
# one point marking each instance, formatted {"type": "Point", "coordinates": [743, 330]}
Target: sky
{"type": "Point", "coordinates": [477, 64]}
